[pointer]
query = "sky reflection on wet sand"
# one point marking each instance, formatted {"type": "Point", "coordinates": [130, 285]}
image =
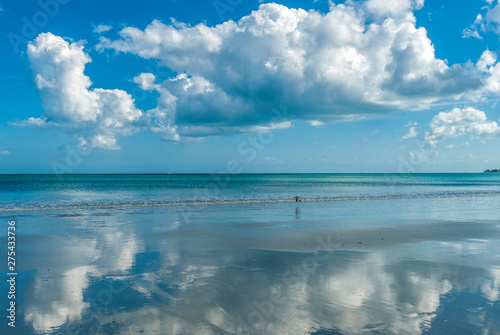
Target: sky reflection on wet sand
{"type": "Point", "coordinates": [129, 271]}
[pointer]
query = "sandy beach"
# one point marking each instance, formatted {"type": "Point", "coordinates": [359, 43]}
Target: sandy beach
{"type": "Point", "coordinates": [390, 267]}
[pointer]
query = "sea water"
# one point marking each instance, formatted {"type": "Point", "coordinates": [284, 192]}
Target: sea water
{"type": "Point", "coordinates": [43, 192]}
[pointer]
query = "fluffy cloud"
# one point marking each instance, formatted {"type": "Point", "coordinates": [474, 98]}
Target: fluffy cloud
{"type": "Point", "coordinates": [460, 122]}
{"type": "Point", "coordinates": [99, 114]}
{"type": "Point", "coordinates": [393, 7]}
{"type": "Point", "coordinates": [207, 110]}
{"type": "Point", "coordinates": [491, 68]}
{"type": "Point", "coordinates": [354, 60]}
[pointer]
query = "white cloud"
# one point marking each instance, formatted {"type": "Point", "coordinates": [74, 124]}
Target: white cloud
{"type": "Point", "coordinates": [472, 30]}
{"type": "Point", "coordinates": [459, 122]}
{"type": "Point", "coordinates": [101, 28]}
{"type": "Point", "coordinates": [357, 60]}
{"type": "Point", "coordinates": [393, 7]}
{"type": "Point", "coordinates": [325, 68]}
{"type": "Point", "coordinates": [492, 18]}
{"type": "Point", "coordinates": [469, 32]}
{"type": "Point", "coordinates": [411, 134]}
{"type": "Point", "coordinates": [35, 122]}
{"type": "Point", "coordinates": [104, 142]}
{"type": "Point", "coordinates": [101, 114]}
{"type": "Point", "coordinates": [489, 21]}
{"type": "Point", "coordinates": [487, 59]}
{"type": "Point", "coordinates": [4, 152]}
{"type": "Point", "coordinates": [489, 65]}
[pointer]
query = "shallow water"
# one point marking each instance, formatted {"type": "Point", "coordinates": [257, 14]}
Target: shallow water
{"type": "Point", "coordinates": [46, 192]}
{"type": "Point", "coordinates": [424, 265]}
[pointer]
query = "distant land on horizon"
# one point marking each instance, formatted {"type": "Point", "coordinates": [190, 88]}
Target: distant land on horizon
{"type": "Point", "coordinates": [492, 171]}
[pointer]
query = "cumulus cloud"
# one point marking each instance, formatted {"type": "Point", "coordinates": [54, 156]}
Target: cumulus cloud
{"type": "Point", "coordinates": [355, 60]}
{"type": "Point", "coordinates": [208, 110]}
{"type": "Point", "coordinates": [491, 68]}
{"type": "Point", "coordinates": [100, 114]}
{"type": "Point", "coordinates": [393, 7]}
{"type": "Point", "coordinates": [459, 122]}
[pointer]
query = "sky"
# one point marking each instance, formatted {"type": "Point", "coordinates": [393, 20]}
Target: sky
{"type": "Point", "coordinates": [244, 86]}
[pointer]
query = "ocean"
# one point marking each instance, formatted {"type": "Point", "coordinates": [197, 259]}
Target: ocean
{"type": "Point", "coordinates": [236, 254]}
{"type": "Point", "coordinates": [45, 192]}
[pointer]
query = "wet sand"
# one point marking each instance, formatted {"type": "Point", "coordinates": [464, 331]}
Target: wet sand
{"type": "Point", "coordinates": [258, 270]}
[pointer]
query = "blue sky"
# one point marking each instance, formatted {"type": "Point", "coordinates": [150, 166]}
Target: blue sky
{"type": "Point", "coordinates": [249, 86]}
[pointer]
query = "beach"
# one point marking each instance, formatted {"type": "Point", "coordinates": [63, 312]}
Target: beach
{"type": "Point", "coordinates": [235, 254]}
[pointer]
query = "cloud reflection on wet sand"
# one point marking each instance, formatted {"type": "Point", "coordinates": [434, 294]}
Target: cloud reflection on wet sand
{"type": "Point", "coordinates": [265, 279]}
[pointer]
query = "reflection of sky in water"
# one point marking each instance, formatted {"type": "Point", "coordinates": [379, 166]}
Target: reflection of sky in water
{"type": "Point", "coordinates": [150, 271]}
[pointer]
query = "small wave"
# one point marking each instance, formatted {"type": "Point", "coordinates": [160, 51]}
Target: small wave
{"type": "Point", "coordinates": [235, 201]}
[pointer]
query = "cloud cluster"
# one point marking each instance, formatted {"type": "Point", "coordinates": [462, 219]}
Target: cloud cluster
{"type": "Point", "coordinates": [488, 21]}
{"type": "Point", "coordinates": [99, 114]}
{"type": "Point", "coordinates": [459, 122]}
{"type": "Point", "coordinates": [358, 59]}
{"type": "Point", "coordinates": [352, 61]}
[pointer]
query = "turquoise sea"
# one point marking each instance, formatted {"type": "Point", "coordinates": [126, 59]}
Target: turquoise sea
{"type": "Point", "coordinates": [235, 254]}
